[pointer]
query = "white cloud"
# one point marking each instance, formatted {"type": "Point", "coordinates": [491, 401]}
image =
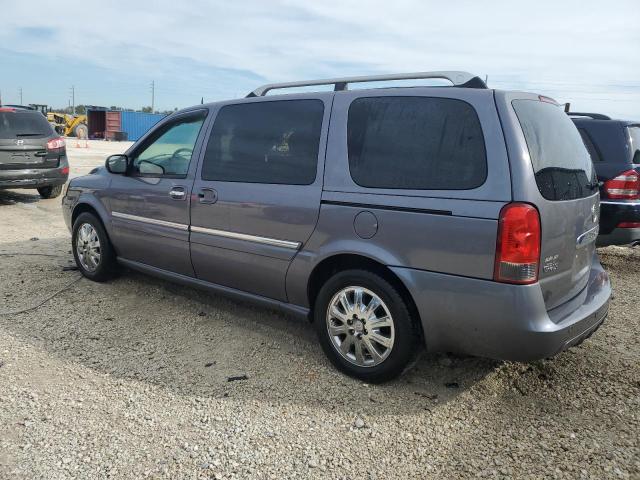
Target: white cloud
{"type": "Point", "coordinates": [584, 50]}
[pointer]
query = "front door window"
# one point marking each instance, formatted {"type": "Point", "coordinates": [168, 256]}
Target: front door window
{"type": "Point", "coordinates": [168, 153]}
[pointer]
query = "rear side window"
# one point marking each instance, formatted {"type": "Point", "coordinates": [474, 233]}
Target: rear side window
{"type": "Point", "coordinates": [561, 162]}
{"type": "Point", "coordinates": [634, 136]}
{"type": "Point", "coordinates": [593, 151]}
{"type": "Point", "coordinates": [265, 142]}
{"type": "Point", "coordinates": [23, 125]}
{"type": "Point", "coordinates": [415, 143]}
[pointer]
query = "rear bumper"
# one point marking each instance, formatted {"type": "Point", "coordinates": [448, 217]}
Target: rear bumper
{"type": "Point", "coordinates": [33, 178]}
{"type": "Point", "coordinates": [619, 236]}
{"type": "Point", "coordinates": [506, 322]}
{"type": "Point", "coordinates": [614, 212]}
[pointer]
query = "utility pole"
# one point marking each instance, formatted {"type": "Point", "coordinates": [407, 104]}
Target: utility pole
{"type": "Point", "coordinates": [73, 98]}
{"type": "Point", "coordinates": [153, 95]}
{"type": "Point", "coordinates": [20, 92]}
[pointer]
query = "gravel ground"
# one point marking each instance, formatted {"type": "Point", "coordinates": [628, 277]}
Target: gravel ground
{"type": "Point", "coordinates": [130, 379]}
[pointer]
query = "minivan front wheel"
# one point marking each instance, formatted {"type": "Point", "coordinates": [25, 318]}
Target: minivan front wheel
{"type": "Point", "coordinates": [92, 250]}
{"type": "Point", "coordinates": [365, 326]}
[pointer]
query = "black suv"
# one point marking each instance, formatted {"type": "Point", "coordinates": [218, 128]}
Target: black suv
{"type": "Point", "coordinates": [614, 146]}
{"type": "Point", "coordinates": [32, 154]}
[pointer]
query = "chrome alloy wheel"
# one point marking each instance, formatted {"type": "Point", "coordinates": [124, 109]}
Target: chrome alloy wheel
{"type": "Point", "coordinates": [360, 326]}
{"type": "Point", "coordinates": [88, 247]}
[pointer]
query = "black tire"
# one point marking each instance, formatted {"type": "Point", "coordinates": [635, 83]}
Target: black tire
{"type": "Point", "coordinates": [107, 267]}
{"type": "Point", "coordinates": [81, 131]}
{"type": "Point", "coordinates": [52, 191]}
{"type": "Point", "coordinates": [406, 341]}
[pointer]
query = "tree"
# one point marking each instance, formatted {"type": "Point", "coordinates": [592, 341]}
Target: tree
{"type": "Point", "coordinates": [146, 109]}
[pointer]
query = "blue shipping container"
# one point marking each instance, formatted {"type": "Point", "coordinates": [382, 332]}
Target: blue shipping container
{"type": "Point", "coordinates": [136, 124]}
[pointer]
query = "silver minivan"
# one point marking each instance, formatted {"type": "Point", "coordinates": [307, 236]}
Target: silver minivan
{"type": "Point", "coordinates": [459, 218]}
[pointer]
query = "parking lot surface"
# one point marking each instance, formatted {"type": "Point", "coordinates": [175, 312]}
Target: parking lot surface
{"type": "Point", "coordinates": [139, 378]}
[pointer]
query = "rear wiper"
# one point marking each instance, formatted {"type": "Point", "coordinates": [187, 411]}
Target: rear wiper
{"type": "Point", "coordinates": [28, 134]}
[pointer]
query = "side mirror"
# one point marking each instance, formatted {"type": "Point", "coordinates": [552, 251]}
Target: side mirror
{"type": "Point", "coordinates": [117, 164]}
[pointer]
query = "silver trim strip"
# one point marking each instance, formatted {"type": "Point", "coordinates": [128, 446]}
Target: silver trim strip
{"type": "Point", "coordinates": [211, 231]}
{"type": "Point", "coordinates": [588, 236]}
{"type": "Point", "coordinates": [614, 202]}
{"type": "Point", "coordinates": [151, 221]}
{"type": "Point", "coordinates": [250, 238]}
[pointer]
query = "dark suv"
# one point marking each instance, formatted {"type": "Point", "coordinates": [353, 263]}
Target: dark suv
{"type": "Point", "coordinates": [614, 146]}
{"type": "Point", "coordinates": [32, 154]}
{"type": "Point", "coordinates": [461, 217]}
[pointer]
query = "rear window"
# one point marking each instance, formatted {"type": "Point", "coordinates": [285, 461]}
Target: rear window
{"type": "Point", "coordinates": [23, 124]}
{"type": "Point", "coordinates": [593, 151]}
{"type": "Point", "coordinates": [417, 143]}
{"type": "Point", "coordinates": [634, 136]}
{"type": "Point", "coordinates": [561, 162]}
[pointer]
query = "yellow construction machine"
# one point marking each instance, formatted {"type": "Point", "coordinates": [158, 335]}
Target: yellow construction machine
{"type": "Point", "coordinates": [69, 125]}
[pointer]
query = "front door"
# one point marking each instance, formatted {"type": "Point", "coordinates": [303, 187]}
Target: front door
{"type": "Point", "coordinates": [256, 196]}
{"type": "Point", "coordinates": [150, 205]}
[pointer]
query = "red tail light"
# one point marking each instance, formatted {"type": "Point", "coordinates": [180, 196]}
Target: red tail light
{"type": "Point", "coordinates": [55, 144]}
{"type": "Point", "coordinates": [629, 225]}
{"type": "Point", "coordinates": [518, 245]}
{"type": "Point", "coordinates": [64, 170]}
{"type": "Point", "coordinates": [625, 186]}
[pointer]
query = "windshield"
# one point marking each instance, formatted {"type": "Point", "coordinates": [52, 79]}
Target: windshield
{"type": "Point", "coordinates": [561, 162]}
{"type": "Point", "coordinates": [23, 124]}
{"type": "Point", "coordinates": [634, 136]}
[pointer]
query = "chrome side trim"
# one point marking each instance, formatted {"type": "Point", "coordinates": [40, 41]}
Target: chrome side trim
{"type": "Point", "coordinates": [151, 221]}
{"type": "Point", "coordinates": [588, 236]}
{"type": "Point", "coordinates": [249, 238]}
{"type": "Point", "coordinates": [210, 231]}
{"type": "Point", "coordinates": [614, 202]}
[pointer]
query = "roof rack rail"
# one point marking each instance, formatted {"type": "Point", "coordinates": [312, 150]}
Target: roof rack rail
{"type": "Point", "coordinates": [457, 78]}
{"type": "Point", "coordinates": [595, 116]}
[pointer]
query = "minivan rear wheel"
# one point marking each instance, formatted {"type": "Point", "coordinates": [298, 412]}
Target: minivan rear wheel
{"type": "Point", "coordinates": [364, 326]}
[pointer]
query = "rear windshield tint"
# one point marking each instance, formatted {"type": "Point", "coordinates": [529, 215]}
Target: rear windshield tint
{"type": "Point", "coordinates": [593, 151]}
{"type": "Point", "coordinates": [23, 124]}
{"type": "Point", "coordinates": [561, 162]}
{"type": "Point", "coordinates": [634, 135]}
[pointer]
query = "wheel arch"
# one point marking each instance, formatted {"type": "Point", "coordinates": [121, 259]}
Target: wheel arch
{"type": "Point", "coordinates": [86, 205]}
{"type": "Point", "coordinates": [339, 262]}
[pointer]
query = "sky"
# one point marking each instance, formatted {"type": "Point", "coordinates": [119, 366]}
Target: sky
{"type": "Point", "coordinates": [583, 52]}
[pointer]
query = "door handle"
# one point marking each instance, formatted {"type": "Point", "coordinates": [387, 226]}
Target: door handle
{"type": "Point", "coordinates": [177, 193]}
{"type": "Point", "coordinates": [207, 195]}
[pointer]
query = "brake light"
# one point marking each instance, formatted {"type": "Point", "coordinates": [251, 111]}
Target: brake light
{"type": "Point", "coordinates": [629, 225]}
{"type": "Point", "coordinates": [518, 244]}
{"type": "Point", "coordinates": [64, 170]}
{"type": "Point", "coordinates": [55, 144]}
{"type": "Point", "coordinates": [7, 109]}
{"type": "Point", "coordinates": [625, 186]}
{"type": "Point", "coordinates": [542, 98]}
